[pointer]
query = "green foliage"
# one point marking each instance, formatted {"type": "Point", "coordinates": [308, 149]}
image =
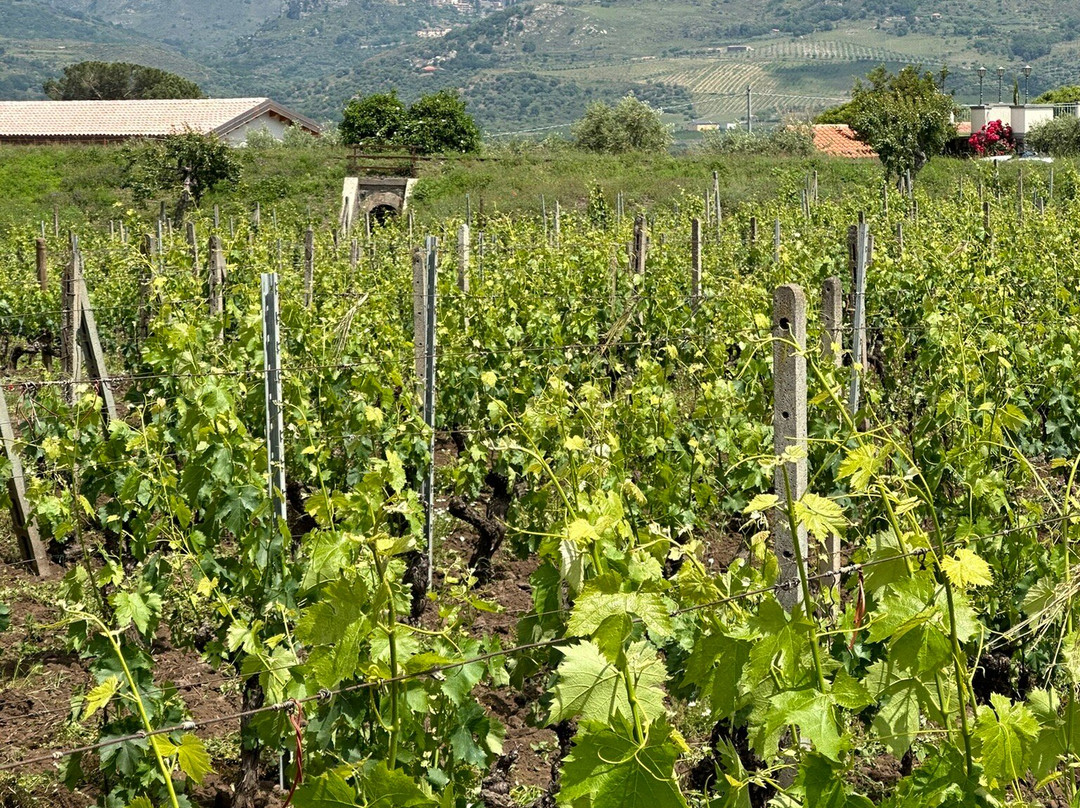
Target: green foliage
{"type": "Point", "coordinates": [1059, 137]}
{"type": "Point", "coordinates": [189, 163]}
{"type": "Point", "coordinates": [439, 124]}
{"type": "Point", "coordinates": [1067, 94]}
{"type": "Point", "coordinates": [629, 126]}
{"type": "Point", "coordinates": [793, 140]}
{"type": "Point", "coordinates": [375, 120]}
{"type": "Point", "coordinates": [904, 117]}
{"type": "Point", "coordinates": [841, 113]}
{"type": "Point", "coordinates": [118, 81]}
{"type": "Point", "coordinates": [435, 124]}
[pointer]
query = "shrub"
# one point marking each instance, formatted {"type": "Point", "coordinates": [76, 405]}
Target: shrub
{"type": "Point", "coordinates": [796, 140]}
{"type": "Point", "coordinates": [631, 125]}
{"type": "Point", "coordinates": [1059, 137]}
{"type": "Point", "coordinates": [993, 139]}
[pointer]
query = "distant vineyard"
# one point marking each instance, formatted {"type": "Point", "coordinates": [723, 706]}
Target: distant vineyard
{"type": "Point", "coordinates": [838, 51]}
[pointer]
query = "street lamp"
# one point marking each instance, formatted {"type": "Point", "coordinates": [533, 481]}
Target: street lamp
{"type": "Point", "coordinates": [982, 72]}
{"type": "Point", "coordinates": [1027, 75]}
{"type": "Point", "coordinates": [1000, 72]}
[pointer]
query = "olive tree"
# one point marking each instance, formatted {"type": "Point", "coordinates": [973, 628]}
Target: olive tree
{"type": "Point", "coordinates": [630, 125]}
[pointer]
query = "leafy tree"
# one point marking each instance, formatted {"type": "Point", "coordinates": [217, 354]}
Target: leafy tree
{"type": "Point", "coordinates": [435, 123]}
{"type": "Point", "coordinates": [439, 123]}
{"type": "Point", "coordinates": [118, 81]}
{"type": "Point", "coordinates": [374, 120]}
{"type": "Point", "coordinates": [1068, 94]}
{"type": "Point", "coordinates": [631, 125]}
{"type": "Point", "coordinates": [188, 163]}
{"type": "Point", "coordinates": [904, 117]}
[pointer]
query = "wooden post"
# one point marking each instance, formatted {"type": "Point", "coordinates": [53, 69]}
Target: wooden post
{"type": "Point", "coordinates": [789, 429]}
{"type": "Point", "coordinates": [900, 238]}
{"type": "Point", "coordinates": [832, 321]}
{"type": "Point", "coordinates": [256, 217]}
{"type": "Point", "coordinates": [640, 245]}
{"type": "Point", "coordinates": [558, 223]}
{"type": "Point", "coordinates": [216, 284]}
{"type": "Point", "coordinates": [56, 221]}
{"type": "Point", "coordinates": [695, 262]}
{"type": "Point", "coordinates": [988, 236]}
{"type": "Point", "coordinates": [90, 345]}
{"type": "Point", "coordinates": [309, 266]}
{"type": "Point", "coordinates": [776, 241]}
{"type": "Point", "coordinates": [71, 316]}
{"type": "Point", "coordinates": [193, 247]}
{"type": "Point", "coordinates": [753, 230]}
{"type": "Point", "coordinates": [354, 253]}
{"type": "Point", "coordinates": [146, 279]}
{"type": "Point", "coordinates": [42, 252]}
{"type": "Point", "coordinates": [31, 547]}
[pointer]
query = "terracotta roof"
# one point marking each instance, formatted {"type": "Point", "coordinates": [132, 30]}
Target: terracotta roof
{"type": "Point", "coordinates": [120, 119]}
{"type": "Point", "coordinates": [963, 129]}
{"type": "Point", "coordinates": [838, 140]}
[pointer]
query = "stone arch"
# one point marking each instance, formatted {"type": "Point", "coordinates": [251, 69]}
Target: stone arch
{"type": "Point", "coordinates": [381, 200]}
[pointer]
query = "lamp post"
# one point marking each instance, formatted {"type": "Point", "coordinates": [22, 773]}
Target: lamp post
{"type": "Point", "coordinates": [982, 72]}
{"type": "Point", "coordinates": [1000, 72]}
{"type": "Point", "coordinates": [1027, 75]}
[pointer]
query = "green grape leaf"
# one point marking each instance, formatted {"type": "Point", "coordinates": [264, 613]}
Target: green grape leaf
{"type": "Point", "coordinates": [821, 516]}
{"type": "Point", "coordinates": [328, 790]}
{"type": "Point", "coordinates": [860, 465]}
{"type": "Point", "coordinates": [5, 617]}
{"type": "Point", "coordinates": [849, 692]}
{"type": "Point", "coordinates": [822, 780]}
{"type": "Point", "coordinates": [897, 722]}
{"type": "Point", "coordinates": [812, 712]}
{"type": "Point", "coordinates": [1003, 731]}
{"type": "Point", "coordinates": [392, 788]}
{"type": "Point", "coordinates": [965, 569]}
{"type": "Point", "coordinates": [132, 607]}
{"type": "Point", "coordinates": [100, 696]}
{"type": "Point", "coordinates": [761, 503]}
{"type": "Point", "coordinates": [140, 802]}
{"type": "Point", "coordinates": [606, 769]}
{"type": "Point", "coordinates": [192, 758]}
{"type": "Point", "coordinates": [601, 598]}
{"type": "Point", "coordinates": [592, 688]}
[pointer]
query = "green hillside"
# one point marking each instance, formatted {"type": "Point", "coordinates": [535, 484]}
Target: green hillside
{"type": "Point", "coordinates": [536, 65]}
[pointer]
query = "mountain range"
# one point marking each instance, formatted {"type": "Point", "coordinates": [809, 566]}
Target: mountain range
{"type": "Point", "coordinates": [534, 65]}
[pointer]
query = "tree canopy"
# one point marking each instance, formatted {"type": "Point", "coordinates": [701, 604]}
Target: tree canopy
{"type": "Point", "coordinates": [189, 163]}
{"type": "Point", "coordinates": [118, 81]}
{"type": "Point", "coordinates": [1068, 94]}
{"type": "Point", "coordinates": [631, 125]}
{"type": "Point", "coordinates": [904, 117]}
{"type": "Point", "coordinates": [435, 123]}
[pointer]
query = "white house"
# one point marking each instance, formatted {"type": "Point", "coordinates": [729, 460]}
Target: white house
{"type": "Point", "coordinates": [231, 119]}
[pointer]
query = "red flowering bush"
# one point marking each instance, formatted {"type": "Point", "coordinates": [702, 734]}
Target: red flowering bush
{"type": "Point", "coordinates": [993, 139]}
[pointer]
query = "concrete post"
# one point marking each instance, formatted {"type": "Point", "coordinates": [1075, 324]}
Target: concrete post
{"type": "Point", "coordinates": [309, 266]}
{"type": "Point", "coordinates": [832, 321]}
{"type": "Point", "coordinates": [776, 241]}
{"type": "Point", "coordinates": [789, 427]}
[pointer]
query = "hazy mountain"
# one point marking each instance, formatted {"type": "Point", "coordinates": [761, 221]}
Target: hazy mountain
{"type": "Point", "coordinates": [535, 64]}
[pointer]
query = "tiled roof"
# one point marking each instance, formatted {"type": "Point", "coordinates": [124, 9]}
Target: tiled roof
{"type": "Point", "coordinates": [89, 119]}
{"type": "Point", "coordinates": [963, 129]}
{"type": "Point", "coordinates": [838, 140]}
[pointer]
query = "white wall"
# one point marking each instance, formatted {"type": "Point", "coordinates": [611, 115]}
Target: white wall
{"type": "Point", "coordinates": [275, 126]}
